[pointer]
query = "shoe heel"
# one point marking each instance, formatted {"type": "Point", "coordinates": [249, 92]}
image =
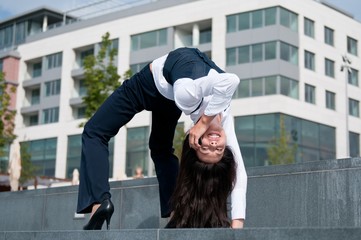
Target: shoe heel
{"type": "Point", "coordinates": [107, 221]}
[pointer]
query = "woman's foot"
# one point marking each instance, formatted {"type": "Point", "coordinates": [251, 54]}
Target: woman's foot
{"type": "Point", "coordinates": [102, 212]}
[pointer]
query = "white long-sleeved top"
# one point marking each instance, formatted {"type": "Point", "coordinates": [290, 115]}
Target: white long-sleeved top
{"type": "Point", "coordinates": [216, 90]}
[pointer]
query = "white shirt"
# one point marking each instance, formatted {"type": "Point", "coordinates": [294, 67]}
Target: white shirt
{"type": "Point", "coordinates": [216, 90]}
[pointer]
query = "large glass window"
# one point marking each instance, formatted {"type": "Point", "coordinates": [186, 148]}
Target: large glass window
{"type": "Point", "coordinates": [244, 54]}
{"type": "Point", "coordinates": [50, 115]}
{"type": "Point", "coordinates": [289, 19]}
{"type": "Point", "coordinates": [74, 155]}
{"type": "Point", "coordinates": [4, 159]}
{"type": "Point", "coordinates": [1, 65]}
{"type": "Point", "coordinates": [329, 36]}
{"type": "Point", "coordinates": [267, 86]}
{"type": "Point", "coordinates": [255, 134]}
{"type": "Point", "coordinates": [149, 39]}
{"type": "Point", "coordinates": [255, 53]}
{"type": "Point", "coordinates": [309, 27]}
{"type": "Point", "coordinates": [309, 60]}
{"type": "Point", "coordinates": [35, 96]}
{"type": "Point", "coordinates": [137, 67]}
{"type": "Point", "coordinates": [43, 155]}
{"type": "Point", "coordinates": [137, 150]}
{"type": "Point", "coordinates": [37, 69]}
{"type": "Point", "coordinates": [352, 46]}
{"type": "Point", "coordinates": [289, 87]}
{"type": "Point", "coordinates": [329, 68]}
{"type": "Point", "coordinates": [310, 94]}
{"type": "Point", "coordinates": [289, 53]}
{"type": "Point", "coordinates": [6, 37]}
{"type": "Point", "coordinates": [253, 19]}
{"type": "Point", "coordinates": [354, 139]}
{"type": "Point", "coordinates": [54, 60]}
{"type": "Point", "coordinates": [52, 88]}
{"type": "Point", "coordinates": [353, 107]}
{"type": "Point", "coordinates": [330, 100]}
{"type": "Point", "coordinates": [34, 120]}
{"type": "Point", "coordinates": [353, 77]}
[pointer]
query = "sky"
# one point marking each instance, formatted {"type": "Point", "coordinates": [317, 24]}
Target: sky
{"type": "Point", "coordinates": [10, 8]}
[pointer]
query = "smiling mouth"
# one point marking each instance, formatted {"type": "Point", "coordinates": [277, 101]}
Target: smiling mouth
{"type": "Point", "coordinates": [214, 136]}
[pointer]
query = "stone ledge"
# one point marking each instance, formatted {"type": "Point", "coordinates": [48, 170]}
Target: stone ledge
{"type": "Point", "coordinates": [192, 234]}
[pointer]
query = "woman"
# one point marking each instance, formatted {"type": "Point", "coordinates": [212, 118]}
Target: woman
{"type": "Point", "coordinates": [185, 80]}
{"type": "Point", "coordinates": [200, 196]}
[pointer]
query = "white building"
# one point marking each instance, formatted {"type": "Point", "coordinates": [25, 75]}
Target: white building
{"type": "Point", "coordinates": [287, 53]}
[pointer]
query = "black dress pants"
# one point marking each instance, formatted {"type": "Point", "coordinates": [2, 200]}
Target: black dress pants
{"type": "Point", "coordinates": [133, 96]}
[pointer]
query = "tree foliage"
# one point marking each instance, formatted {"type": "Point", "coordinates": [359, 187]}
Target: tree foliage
{"type": "Point", "coordinates": [28, 169]}
{"type": "Point", "coordinates": [101, 77]}
{"type": "Point", "coordinates": [282, 150]}
{"type": "Point", "coordinates": [179, 137]}
{"type": "Point", "coordinates": [7, 116]}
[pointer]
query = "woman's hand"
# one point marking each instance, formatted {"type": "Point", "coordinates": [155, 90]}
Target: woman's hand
{"type": "Point", "coordinates": [237, 223]}
{"type": "Point", "coordinates": [196, 132]}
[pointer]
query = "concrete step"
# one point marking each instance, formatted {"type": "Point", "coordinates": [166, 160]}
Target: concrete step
{"type": "Point", "coordinates": [322, 194]}
{"type": "Point", "coordinates": [191, 234]}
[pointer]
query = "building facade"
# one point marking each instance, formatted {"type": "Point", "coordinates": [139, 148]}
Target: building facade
{"type": "Point", "coordinates": [287, 54]}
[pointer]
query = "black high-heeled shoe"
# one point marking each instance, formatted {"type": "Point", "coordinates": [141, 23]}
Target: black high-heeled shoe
{"type": "Point", "coordinates": [103, 213]}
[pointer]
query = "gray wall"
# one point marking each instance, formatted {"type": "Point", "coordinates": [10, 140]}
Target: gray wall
{"type": "Point", "coordinates": [309, 195]}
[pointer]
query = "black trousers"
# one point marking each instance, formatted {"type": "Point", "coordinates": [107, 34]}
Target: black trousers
{"type": "Point", "coordinates": [133, 96]}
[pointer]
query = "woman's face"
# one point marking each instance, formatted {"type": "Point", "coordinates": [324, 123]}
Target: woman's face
{"type": "Point", "coordinates": [213, 142]}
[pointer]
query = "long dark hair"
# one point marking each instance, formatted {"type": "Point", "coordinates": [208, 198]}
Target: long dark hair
{"type": "Point", "coordinates": [202, 189]}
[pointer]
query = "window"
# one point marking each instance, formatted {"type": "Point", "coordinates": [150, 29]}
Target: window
{"type": "Point", "coordinates": [249, 20]}
{"type": "Point", "coordinates": [268, 85]}
{"type": "Point", "coordinates": [289, 53]}
{"type": "Point", "coordinates": [205, 36]}
{"type": "Point", "coordinates": [82, 91]}
{"type": "Point", "coordinates": [289, 87]}
{"type": "Point", "coordinates": [329, 36]}
{"type": "Point", "coordinates": [34, 120]}
{"type": "Point", "coordinates": [244, 21]}
{"type": "Point", "coordinates": [354, 139]}
{"type": "Point", "coordinates": [54, 60]}
{"type": "Point", "coordinates": [255, 53]}
{"type": "Point", "coordinates": [43, 155]}
{"type": "Point", "coordinates": [149, 39]}
{"type": "Point", "coordinates": [330, 100]}
{"type": "Point", "coordinates": [310, 94]}
{"type": "Point", "coordinates": [4, 158]}
{"type": "Point", "coordinates": [1, 65]}
{"type": "Point", "coordinates": [270, 16]}
{"type": "Point", "coordinates": [352, 46]}
{"type": "Point", "coordinates": [137, 150]}
{"type": "Point", "coordinates": [257, 19]}
{"type": "Point", "coordinates": [289, 19]}
{"type": "Point", "coordinates": [353, 107]}
{"type": "Point", "coordinates": [37, 69]}
{"type": "Point", "coordinates": [6, 37]}
{"type": "Point", "coordinates": [254, 133]}
{"type": "Point", "coordinates": [80, 112]}
{"type": "Point", "coordinates": [309, 27]}
{"type": "Point", "coordinates": [270, 50]}
{"type": "Point", "coordinates": [74, 155]}
{"type": "Point", "coordinates": [309, 60]}
{"type": "Point", "coordinates": [52, 88]}
{"type": "Point", "coordinates": [50, 115]}
{"type": "Point", "coordinates": [353, 77]}
{"type": "Point", "coordinates": [84, 54]}
{"type": "Point", "coordinates": [35, 96]}
{"type": "Point", "coordinates": [244, 54]}
{"type": "Point", "coordinates": [329, 68]}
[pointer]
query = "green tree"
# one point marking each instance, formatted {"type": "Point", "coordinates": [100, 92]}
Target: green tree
{"type": "Point", "coordinates": [282, 150]}
{"type": "Point", "coordinates": [101, 77]}
{"type": "Point", "coordinates": [28, 169]}
{"type": "Point", "coordinates": [7, 115]}
{"type": "Point", "coordinates": [179, 137]}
